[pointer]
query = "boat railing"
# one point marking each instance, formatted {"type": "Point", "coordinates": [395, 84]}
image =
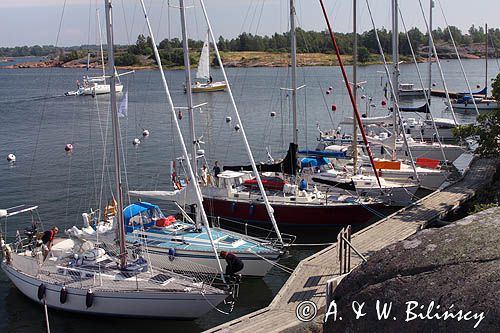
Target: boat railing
{"type": "Point", "coordinates": [252, 231]}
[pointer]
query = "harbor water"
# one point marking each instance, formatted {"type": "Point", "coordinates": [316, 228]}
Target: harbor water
{"type": "Point", "coordinates": [38, 121]}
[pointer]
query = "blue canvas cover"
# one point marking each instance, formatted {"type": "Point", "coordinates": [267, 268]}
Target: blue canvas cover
{"type": "Point", "coordinates": [313, 162]}
{"type": "Point", "coordinates": [140, 208]}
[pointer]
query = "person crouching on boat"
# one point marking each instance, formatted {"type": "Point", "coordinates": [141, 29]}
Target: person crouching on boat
{"type": "Point", "coordinates": [234, 264]}
{"type": "Point", "coordinates": [48, 240]}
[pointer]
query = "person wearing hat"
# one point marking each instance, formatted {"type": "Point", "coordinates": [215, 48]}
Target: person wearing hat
{"type": "Point", "coordinates": [234, 264]}
{"type": "Point", "coordinates": [48, 240]}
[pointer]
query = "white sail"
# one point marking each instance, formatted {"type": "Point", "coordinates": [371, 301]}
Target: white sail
{"type": "Point", "coordinates": [204, 63]}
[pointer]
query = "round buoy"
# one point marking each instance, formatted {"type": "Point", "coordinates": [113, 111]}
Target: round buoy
{"type": "Point", "coordinates": [136, 141]}
{"type": "Point", "coordinates": [41, 291]}
{"type": "Point", "coordinates": [363, 96]}
{"type": "Point", "coordinates": [434, 84]}
{"type": "Point", "coordinates": [63, 295]}
{"type": "Point", "coordinates": [228, 119]}
{"type": "Point", "coordinates": [237, 127]}
{"type": "Point", "coordinates": [478, 86]}
{"type": "Point", "coordinates": [328, 92]}
{"type": "Point", "coordinates": [273, 114]}
{"type": "Point", "coordinates": [68, 147]}
{"type": "Point", "coordinates": [11, 158]}
{"type": "Point", "coordinates": [89, 298]}
{"type": "Point", "coordinates": [171, 254]}
{"type": "Point", "coordinates": [384, 103]}
{"type": "Point", "coordinates": [145, 133]}
{"type": "Point", "coordinates": [334, 107]}
{"type": "Point", "coordinates": [330, 88]}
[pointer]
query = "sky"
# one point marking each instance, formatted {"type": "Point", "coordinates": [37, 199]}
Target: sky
{"type": "Point", "coordinates": [73, 22]}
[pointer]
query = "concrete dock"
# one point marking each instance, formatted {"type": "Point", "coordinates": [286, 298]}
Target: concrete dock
{"type": "Point", "coordinates": [308, 281]}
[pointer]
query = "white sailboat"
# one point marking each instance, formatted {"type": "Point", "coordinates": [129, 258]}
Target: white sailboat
{"type": "Point", "coordinates": [97, 278]}
{"type": "Point", "coordinates": [97, 85]}
{"type": "Point", "coordinates": [204, 81]}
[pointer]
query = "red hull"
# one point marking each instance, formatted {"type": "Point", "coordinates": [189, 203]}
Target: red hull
{"type": "Point", "coordinates": [289, 215]}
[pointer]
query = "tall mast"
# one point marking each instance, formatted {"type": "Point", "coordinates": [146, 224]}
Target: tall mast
{"type": "Point", "coordinates": [116, 134]}
{"type": "Point", "coordinates": [100, 44]}
{"type": "Point", "coordinates": [429, 31]}
{"type": "Point", "coordinates": [486, 73]}
{"type": "Point", "coordinates": [355, 85]}
{"type": "Point", "coordinates": [187, 69]}
{"type": "Point", "coordinates": [395, 73]}
{"type": "Point", "coordinates": [293, 44]}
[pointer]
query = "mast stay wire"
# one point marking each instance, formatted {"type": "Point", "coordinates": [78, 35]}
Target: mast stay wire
{"type": "Point", "coordinates": [459, 58]}
{"type": "Point", "coordinates": [439, 64]}
{"type": "Point", "coordinates": [426, 92]}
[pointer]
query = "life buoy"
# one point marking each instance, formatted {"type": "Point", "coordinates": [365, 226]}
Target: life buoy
{"type": "Point", "coordinates": [63, 295]}
{"type": "Point", "coordinates": [41, 291]}
{"type": "Point", "coordinates": [89, 298]}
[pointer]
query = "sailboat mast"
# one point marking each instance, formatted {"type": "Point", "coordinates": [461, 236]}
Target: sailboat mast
{"type": "Point", "coordinates": [395, 73]}
{"type": "Point", "coordinates": [355, 84]}
{"type": "Point", "coordinates": [486, 57]}
{"type": "Point", "coordinates": [116, 135]}
{"type": "Point", "coordinates": [187, 69]}
{"type": "Point", "coordinates": [429, 31]}
{"type": "Point", "coordinates": [293, 45]}
{"type": "Point", "coordinates": [100, 44]}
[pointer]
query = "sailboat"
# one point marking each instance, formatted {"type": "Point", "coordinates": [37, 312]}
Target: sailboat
{"type": "Point", "coordinates": [98, 278]}
{"type": "Point", "coordinates": [234, 197]}
{"type": "Point", "coordinates": [97, 85]}
{"type": "Point", "coordinates": [204, 81]}
{"type": "Point", "coordinates": [466, 103]}
{"type": "Point", "coordinates": [189, 239]}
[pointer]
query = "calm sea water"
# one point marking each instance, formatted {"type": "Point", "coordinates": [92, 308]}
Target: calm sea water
{"type": "Point", "coordinates": [38, 121]}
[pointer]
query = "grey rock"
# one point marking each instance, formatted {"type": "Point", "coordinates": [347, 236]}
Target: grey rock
{"type": "Point", "coordinates": [457, 267]}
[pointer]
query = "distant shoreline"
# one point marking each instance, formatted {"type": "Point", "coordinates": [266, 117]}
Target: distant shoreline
{"type": "Point", "coordinates": [246, 59]}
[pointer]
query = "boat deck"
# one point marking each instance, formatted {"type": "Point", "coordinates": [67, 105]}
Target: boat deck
{"type": "Point", "coordinates": [308, 281]}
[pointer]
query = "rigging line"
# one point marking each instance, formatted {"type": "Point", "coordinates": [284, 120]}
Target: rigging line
{"type": "Point", "coordinates": [351, 96]}
{"type": "Point", "coordinates": [397, 112]}
{"type": "Point", "coordinates": [459, 58]}
{"type": "Point", "coordinates": [127, 32]}
{"type": "Point", "coordinates": [439, 64]}
{"type": "Point", "coordinates": [44, 104]}
{"type": "Point", "coordinates": [427, 93]}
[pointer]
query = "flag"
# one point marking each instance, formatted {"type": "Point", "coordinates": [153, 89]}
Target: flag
{"type": "Point", "coordinates": [122, 110]}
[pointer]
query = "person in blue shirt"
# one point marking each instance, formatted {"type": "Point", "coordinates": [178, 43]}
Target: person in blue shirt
{"type": "Point", "coordinates": [303, 185]}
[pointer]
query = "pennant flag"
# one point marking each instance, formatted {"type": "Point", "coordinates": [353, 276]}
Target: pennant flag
{"type": "Point", "coordinates": [122, 110]}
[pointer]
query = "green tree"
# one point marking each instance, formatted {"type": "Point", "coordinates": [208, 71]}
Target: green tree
{"type": "Point", "coordinates": [487, 127]}
{"type": "Point", "coordinates": [363, 54]}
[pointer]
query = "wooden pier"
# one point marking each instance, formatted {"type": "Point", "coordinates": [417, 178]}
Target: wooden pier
{"type": "Point", "coordinates": [308, 281]}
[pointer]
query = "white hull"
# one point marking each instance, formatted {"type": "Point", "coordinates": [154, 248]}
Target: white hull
{"type": "Point", "coordinates": [412, 93]}
{"type": "Point", "coordinates": [117, 303]}
{"type": "Point", "coordinates": [482, 106]}
{"type": "Point", "coordinates": [99, 89]}
{"type": "Point", "coordinates": [395, 196]}
{"type": "Point", "coordinates": [253, 265]}
{"type": "Point", "coordinates": [428, 133]}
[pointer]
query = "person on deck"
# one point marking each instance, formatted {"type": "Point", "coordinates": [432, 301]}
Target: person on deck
{"type": "Point", "coordinates": [210, 80]}
{"type": "Point", "coordinates": [47, 240]}
{"type": "Point", "coordinates": [234, 264]}
{"type": "Point", "coordinates": [216, 170]}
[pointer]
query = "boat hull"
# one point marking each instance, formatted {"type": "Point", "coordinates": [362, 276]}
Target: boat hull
{"type": "Point", "coordinates": [116, 303]}
{"type": "Point", "coordinates": [100, 89]}
{"type": "Point", "coordinates": [208, 87]}
{"type": "Point", "coordinates": [289, 214]}
{"type": "Point", "coordinates": [254, 266]}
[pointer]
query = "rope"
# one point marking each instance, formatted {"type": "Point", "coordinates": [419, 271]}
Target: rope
{"type": "Point", "coordinates": [280, 266]}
